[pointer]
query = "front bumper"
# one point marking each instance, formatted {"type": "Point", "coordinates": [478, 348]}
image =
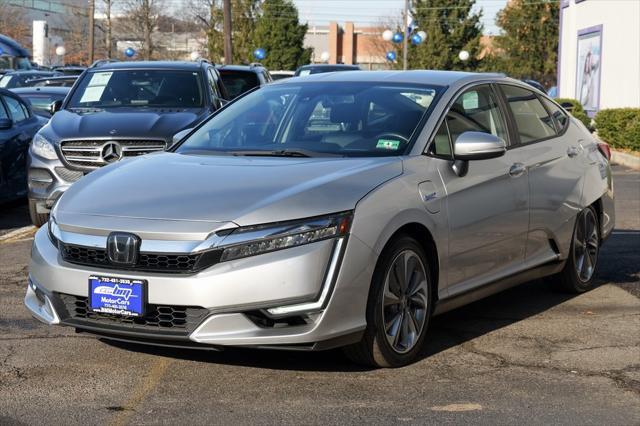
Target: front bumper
{"type": "Point", "coordinates": [232, 298]}
{"type": "Point", "coordinates": [48, 180]}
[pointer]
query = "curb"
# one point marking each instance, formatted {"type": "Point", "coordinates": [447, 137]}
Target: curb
{"type": "Point", "coordinates": [624, 159]}
{"type": "Point", "coordinates": [17, 234]}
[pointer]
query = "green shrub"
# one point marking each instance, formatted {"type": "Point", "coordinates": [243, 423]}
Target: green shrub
{"type": "Point", "coordinates": [577, 111]}
{"type": "Point", "coordinates": [619, 127]}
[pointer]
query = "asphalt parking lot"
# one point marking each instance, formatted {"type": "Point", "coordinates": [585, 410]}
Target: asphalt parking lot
{"type": "Point", "coordinates": [528, 355]}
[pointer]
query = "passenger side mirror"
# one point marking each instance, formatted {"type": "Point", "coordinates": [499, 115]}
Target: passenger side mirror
{"type": "Point", "coordinates": [179, 136]}
{"type": "Point", "coordinates": [55, 106]}
{"type": "Point", "coordinates": [471, 146]}
{"type": "Point", "coordinates": [5, 123]}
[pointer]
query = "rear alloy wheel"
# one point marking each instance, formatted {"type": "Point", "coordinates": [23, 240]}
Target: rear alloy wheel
{"type": "Point", "coordinates": [398, 309]}
{"type": "Point", "coordinates": [579, 271]}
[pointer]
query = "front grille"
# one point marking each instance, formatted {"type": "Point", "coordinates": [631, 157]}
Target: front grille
{"type": "Point", "coordinates": [88, 154]}
{"type": "Point", "coordinates": [149, 262]}
{"type": "Point", "coordinates": [158, 318]}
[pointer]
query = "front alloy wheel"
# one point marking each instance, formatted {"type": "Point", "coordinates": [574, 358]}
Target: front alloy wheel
{"type": "Point", "coordinates": [398, 309]}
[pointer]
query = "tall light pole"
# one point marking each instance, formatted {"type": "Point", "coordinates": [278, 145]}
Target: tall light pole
{"type": "Point", "coordinates": [405, 41]}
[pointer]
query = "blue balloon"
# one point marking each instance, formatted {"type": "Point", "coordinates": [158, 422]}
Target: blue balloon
{"type": "Point", "coordinates": [397, 37]}
{"type": "Point", "coordinates": [391, 56]}
{"type": "Point", "coordinates": [260, 53]}
{"type": "Point", "coordinates": [416, 39]}
{"type": "Point", "coordinates": [129, 52]}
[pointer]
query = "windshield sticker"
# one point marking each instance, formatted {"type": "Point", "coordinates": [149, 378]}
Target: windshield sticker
{"type": "Point", "coordinates": [100, 79]}
{"type": "Point", "coordinates": [388, 144]}
{"type": "Point", "coordinates": [305, 72]}
{"type": "Point", "coordinates": [5, 80]}
{"type": "Point", "coordinates": [92, 94]}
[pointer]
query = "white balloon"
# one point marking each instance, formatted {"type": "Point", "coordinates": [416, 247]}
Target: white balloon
{"type": "Point", "coordinates": [324, 56]}
{"type": "Point", "coordinates": [60, 51]}
{"type": "Point", "coordinates": [387, 35]}
{"type": "Point", "coordinates": [422, 35]}
{"type": "Point", "coordinates": [195, 55]}
{"type": "Point", "coordinates": [463, 55]}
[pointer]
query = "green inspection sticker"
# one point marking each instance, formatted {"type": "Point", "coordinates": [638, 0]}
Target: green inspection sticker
{"type": "Point", "coordinates": [388, 144]}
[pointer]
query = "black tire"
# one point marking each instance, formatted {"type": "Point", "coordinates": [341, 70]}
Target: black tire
{"type": "Point", "coordinates": [38, 219]}
{"type": "Point", "coordinates": [375, 349]}
{"type": "Point", "coordinates": [570, 280]}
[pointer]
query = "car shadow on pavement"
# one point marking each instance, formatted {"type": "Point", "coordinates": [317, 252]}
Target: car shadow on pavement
{"type": "Point", "coordinates": [14, 214]}
{"type": "Point", "coordinates": [446, 331]}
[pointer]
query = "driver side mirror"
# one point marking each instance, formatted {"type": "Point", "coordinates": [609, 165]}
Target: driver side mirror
{"type": "Point", "coordinates": [55, 106]}
{"type": "Point", "coordinates": [478, 146]}
{"type": "Point", "coordinates": [5, 123]}
{"type": "Point", "coordinates": [179, 136]}
{"type": "Point", "coordinates": [471, 146]}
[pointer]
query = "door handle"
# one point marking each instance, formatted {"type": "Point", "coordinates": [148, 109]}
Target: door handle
{"type": "Point", "coordinates": [517, 170]}
{"type": "Point", "coordinates": [573, 151]}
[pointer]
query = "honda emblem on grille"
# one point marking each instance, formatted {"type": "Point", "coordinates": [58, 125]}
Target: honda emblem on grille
{"type": "Point", "coordinates": [111, 151]}
{"type": "Point", "coordinates": [122, 248]}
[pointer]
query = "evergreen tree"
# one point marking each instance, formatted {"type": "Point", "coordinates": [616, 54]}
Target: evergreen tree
{"type": "Point", "coordinates": [451, 27]}
{"type": "Point", "coordinates": [279, 32]}
{"type": "Point", "coordinates": [528, 43]}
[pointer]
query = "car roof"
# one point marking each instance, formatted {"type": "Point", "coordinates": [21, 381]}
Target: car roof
{"type": "Point", "coordinates": [54, 90]}
{"type": "Point", "coordinates": [56, 78]}
{"type": "Point", "coordinates": [347, 66]}
{"type": "Point", "coordinates": [33, 72]}
{"type": "Point", "coordinates": [181, 65]}
{"type": "Point", "coordinates": [439, 78]}
{"type": "Point", "coordinates": [248, 68]}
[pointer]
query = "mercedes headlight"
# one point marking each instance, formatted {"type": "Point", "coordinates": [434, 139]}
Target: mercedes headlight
{"type": "Point", "coordinates": [254, 240]}
{"type": "Point", "coordinates": [42, 147]}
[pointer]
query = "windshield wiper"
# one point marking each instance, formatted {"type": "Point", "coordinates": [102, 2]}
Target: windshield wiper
{"type": "Point", "coordinates": [283, 153]}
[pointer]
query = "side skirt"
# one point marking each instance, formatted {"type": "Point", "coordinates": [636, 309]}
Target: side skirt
{"type": "Point", "coordinates": [445, 305]}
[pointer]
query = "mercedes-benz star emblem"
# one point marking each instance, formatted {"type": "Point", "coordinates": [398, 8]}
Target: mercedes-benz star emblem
{"type": "Point", "coordinates": [111, 152]}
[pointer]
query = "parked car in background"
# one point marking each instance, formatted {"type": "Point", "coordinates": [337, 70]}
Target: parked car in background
{"type": "Point", "coordinates": [70, 70]}
{"type": "Point", "coordinates": [117, 110]}
{"type": "Point", "coordinates": [536, 84]}
{"type": "Point", "coordinates": [15, 79]}
{"type": "Point", "coordinates": [239, 79]}
{"type": "Point", "coordinates": [18, 125]}
{"type": "Point", "coordinates": [321, 68]}
{"type": "Point", "coordinates": [327, 211]}
{"type": "Point", "coordinates": [41, 98]}
{"type": "Point", "coordinates": [12, 55]}
{"type": "Point", "coordinates": [280, 75]}
{"type": "Point", "coordinates": [58, 81]}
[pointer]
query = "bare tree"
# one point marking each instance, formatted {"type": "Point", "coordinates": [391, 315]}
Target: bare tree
{"type": "Point", "coordinates": [108, 29]}
{"type": "Point", "coordinates": [14, 23]}
{"type": "Point", "coordinates": [142, 18]}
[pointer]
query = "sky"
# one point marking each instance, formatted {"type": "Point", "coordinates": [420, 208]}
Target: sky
{"type": "Point", "coordinates": [372, 12]}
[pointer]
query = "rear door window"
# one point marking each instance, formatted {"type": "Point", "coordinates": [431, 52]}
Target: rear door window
{"type": "Point", "coordinates": [531, 118]}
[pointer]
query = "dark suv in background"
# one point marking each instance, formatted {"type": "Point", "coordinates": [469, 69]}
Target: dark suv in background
{"type": "Point", "coordinates": [117, 110]}
{"type": "Point", "coordinates": [239, 79]}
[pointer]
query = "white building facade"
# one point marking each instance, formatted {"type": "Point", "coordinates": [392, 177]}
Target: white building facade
{"type": "Point", "coordinates": [599, 53]}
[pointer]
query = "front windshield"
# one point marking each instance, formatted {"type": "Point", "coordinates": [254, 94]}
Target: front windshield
{"type": "Point", "coordinates": [346, 119]}
{"type": "Point", "coordinates": [139, 88]}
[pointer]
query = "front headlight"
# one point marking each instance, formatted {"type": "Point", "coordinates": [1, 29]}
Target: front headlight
{"type": "Point", "coordinates": [254, 240]}
{"type": "Point", "coordinates": [43, 148]}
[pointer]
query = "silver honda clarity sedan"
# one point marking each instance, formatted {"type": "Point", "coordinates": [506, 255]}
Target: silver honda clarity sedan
{"type": "Point", "coordinates": [335, 210]}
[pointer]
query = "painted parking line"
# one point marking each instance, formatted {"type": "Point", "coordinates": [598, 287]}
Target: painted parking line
{"type": "Point", "coordinates": [157, 370]}
{"type": "Point", "coordinates": [18, 234]}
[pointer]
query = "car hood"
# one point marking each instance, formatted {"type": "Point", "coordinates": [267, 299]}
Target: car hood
{"type": "Point", "coordinates": [208, 188]}
{"type": "Point", "coordinates": [123, 122]}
